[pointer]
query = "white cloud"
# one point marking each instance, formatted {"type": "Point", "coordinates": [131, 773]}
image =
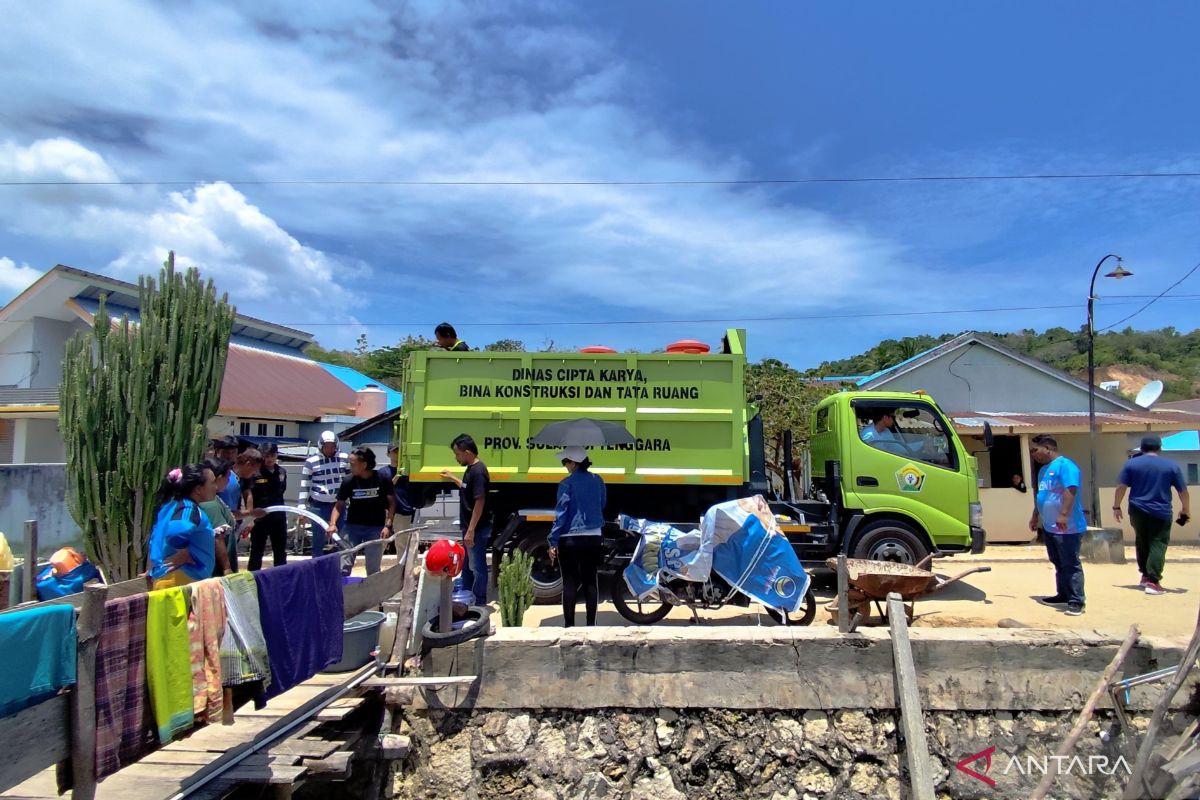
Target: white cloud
{"type": "Point", "coordinates": [432, 91]}
{"type": "Point", "coordinates": [15, 278]}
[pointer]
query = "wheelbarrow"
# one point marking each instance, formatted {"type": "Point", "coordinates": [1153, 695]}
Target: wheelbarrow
{"type": "Point", "coordinates": [872, 581]}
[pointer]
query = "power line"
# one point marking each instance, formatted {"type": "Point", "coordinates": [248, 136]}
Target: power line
{"type": "Point", "coordinates": [1158, 297]}
{"type": "Point", "coordinates": [698, 321]}
{"type": "Point", "coordinates": [706, 182]}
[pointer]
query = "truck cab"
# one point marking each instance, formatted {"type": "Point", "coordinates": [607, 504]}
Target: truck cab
{"type": "Point", "coordinates": [906, 486]}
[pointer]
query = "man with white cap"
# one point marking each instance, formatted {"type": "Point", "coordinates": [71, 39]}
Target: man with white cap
{"type": "Point", "coordinates": [320, 480]}
{"type": "Point", "coordinates": [575, 539]}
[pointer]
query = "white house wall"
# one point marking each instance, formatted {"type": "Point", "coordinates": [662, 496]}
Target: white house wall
{"type": "Point", "coordinates": [977, 378]}
{"type": "Point", "coordinates": [16, 357]}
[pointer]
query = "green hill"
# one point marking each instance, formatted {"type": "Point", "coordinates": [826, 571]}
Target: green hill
{"type": "Point", "coordinates": [1132, 356]}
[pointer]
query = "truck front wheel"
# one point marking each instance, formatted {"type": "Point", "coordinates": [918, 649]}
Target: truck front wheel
{"type": "Point", "coordinates": [890, 540]}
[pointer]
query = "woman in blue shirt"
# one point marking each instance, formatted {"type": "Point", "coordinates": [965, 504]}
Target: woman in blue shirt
{"type": "Point", "coordinates": [182, 543]}
{"type": "Point", "coordinates": [575, 535]}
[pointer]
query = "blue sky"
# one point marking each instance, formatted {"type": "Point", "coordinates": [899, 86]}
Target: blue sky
{"type": "Point", "coordinates": [224, 99]}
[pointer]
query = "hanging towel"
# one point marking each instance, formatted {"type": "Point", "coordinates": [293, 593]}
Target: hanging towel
{"type": "Point", "coordinates": [39, 655]}
{"type": "Point", "coordinates": [168, 661]}
{"type": "Point", "coordinates": [243, 648]}
{"type": "Point", "coordinates": [124, 725]}
{"type": "Point", "coordinates": [301, 611]}
{"type": "Point", "coordinates": [206, 626]}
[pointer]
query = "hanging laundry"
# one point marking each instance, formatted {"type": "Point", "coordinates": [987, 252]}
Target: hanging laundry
{"type": "Point", "coordinates": [301, 613]}
{"type": "Point", "coordinates": [39, 655]}
{"type": "Point", "coordinates": [125, 728]}
{"type": "Point", "coordinates": [206, 626]}
{"type": "Point", "coordinates": [243, 648]}
{"type": "Point", "coordinates": [168, 661]}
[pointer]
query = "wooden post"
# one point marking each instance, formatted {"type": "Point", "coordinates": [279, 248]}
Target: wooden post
{"type": "Point", "coordinates": [1088, 709]}
{"type": "Point", "coordinates": [912, 721]}
{"type": "Point", "coordinates": [83, 696]}
{"type": "Point", "coordinates": [446, 606]}
{"type": "Point", "coordinates": [1136, 786]}
{"type": "Point", "coordinates": [843, 601]}
{"type": "Point", "coordinates": [29, 574]}
{"type": "Point", "coordinates": [408, 604]}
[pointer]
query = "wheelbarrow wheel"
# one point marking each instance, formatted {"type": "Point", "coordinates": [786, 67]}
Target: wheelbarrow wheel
{"type": "Point", "coordinates": [805, 616]}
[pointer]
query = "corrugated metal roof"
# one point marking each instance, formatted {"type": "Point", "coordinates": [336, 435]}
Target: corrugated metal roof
{"type": "Point", "coordinates": [262, 384]}
{"type": "Point", "coordinates": [1145, 420]}
{"type": "Point", "coordinates": [356, 381]}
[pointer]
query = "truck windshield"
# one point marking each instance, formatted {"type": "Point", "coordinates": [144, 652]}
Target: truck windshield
{"type": "Point", "coordinates": [912, 431]}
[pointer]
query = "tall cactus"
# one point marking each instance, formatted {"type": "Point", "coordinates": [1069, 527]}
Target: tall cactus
{"type": "Point", "coordinates": [516, 587]}
{"type": "Point", "coordinates": [135, 400]}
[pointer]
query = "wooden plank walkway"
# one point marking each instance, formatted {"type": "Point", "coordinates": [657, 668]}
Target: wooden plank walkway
{"type": "Point", "coordinates": [271, 746]}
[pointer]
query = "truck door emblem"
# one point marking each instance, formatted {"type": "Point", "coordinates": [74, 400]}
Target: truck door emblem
{"type": "Point", "coordinates": [910, 479]}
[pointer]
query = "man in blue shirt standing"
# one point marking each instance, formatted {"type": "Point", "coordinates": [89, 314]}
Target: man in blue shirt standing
{"type": "Point", "coordinates": [1149, 479]}
{"type": "Point", "coordinates": [1059, 515]}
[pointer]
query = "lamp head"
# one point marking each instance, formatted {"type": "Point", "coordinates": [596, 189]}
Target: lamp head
{"type": "Point", "coordinates": [1119, 272]}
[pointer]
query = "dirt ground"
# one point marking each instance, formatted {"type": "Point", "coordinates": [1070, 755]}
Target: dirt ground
{"type": "Point", "coordinates": [1114, 599]}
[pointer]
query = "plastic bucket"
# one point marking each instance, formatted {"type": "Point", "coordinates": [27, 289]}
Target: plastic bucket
{"type": "Point", "coordinates": [360, 637]}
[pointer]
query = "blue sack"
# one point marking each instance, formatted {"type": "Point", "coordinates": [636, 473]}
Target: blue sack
{"type": "Point", "coordinates": [51, 586]}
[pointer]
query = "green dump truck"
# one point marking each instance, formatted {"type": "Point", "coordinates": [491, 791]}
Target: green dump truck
{"type": "Point", "coordinates": [698, 442]}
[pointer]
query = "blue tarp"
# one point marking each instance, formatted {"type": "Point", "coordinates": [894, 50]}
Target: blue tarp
{"type": "Point", "coordinates": [738, 539]}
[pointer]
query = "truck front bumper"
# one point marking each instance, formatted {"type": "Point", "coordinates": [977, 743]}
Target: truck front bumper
{"type": "Point", "coordinates": [978, 540]}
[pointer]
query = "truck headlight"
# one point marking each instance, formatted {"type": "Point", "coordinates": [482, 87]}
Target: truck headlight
{"type": "Point", "coordinates": [976, 515]}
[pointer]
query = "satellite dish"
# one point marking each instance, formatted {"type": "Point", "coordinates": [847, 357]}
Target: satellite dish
{"type": "Point", "coordinates": [1149, 394]}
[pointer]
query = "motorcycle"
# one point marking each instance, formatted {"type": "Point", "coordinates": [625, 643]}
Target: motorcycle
{"type": "Point", "coordinates": [669, 589]}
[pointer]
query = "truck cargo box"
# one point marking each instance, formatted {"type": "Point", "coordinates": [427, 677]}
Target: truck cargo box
{"type": "Point", "coordinates": [688, 413]}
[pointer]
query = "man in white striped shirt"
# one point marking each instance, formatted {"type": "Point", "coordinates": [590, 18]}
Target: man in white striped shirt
{"type": "Point", "coordinates": [320, 480]}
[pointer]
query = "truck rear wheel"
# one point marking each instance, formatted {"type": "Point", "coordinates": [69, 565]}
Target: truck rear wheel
{"type": "Point", "coordinates": [890, 540]}
{"type": "Point", "coordinates": [645, 612]}
{"type": "Point", "coordinates": [547, 581]}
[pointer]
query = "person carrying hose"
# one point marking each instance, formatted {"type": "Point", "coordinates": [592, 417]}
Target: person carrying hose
{"type": "Point", "coordinates": [575, 535]}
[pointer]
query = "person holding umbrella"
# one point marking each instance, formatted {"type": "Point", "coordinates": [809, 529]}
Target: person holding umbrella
{"type": "Point", "coordinates": [575, 535]}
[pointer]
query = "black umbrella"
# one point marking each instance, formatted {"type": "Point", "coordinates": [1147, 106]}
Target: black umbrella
{"type": "Point", "coordinates": [583, 432]}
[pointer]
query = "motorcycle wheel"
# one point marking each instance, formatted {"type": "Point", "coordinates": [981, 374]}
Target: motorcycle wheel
{"type": "Point", "coordinates": [806, 615]}
{"type": "Point", "coordinates": [643, 613]}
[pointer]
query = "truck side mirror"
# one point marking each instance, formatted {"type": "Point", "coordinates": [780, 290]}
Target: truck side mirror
{"type": "Point", "coordinates": [988, 438]}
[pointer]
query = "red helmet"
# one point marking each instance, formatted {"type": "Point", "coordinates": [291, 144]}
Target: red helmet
{"type": "Point", "coordinates": [445, 557]}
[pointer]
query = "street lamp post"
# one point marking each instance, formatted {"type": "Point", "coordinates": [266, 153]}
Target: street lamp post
{"type": "Point", "coordinates": [1118, 273]}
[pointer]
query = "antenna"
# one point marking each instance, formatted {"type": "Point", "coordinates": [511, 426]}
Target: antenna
{"type": "Point", "coordinates": [1149, 394]}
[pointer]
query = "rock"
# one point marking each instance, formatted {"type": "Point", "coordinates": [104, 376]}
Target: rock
{"type": "Point", "coordinates": [856, 730]}
{"type": "Point", "coordinates": [660, 787]}
{"type": "Point", "coordinates": [787, 736]}
{"type": "Point", "coordinates": [667, 715]}
{"type": "Point", "coordinates": [517, 732]}
{"type": "Point", "coordinates": [493, 725]}
{"type": "Point", "coordinates": [863, 779]}
{"type": "Point", "coordinates": [816, 726]}
{"type": "Point", "coordinates": [592, 785]}
{"type": "Point", "coordinates": [815, 778]}
{"type": "Point", "coordinates": [693, 740]}
{"type": "Point", "coordinates": [589, 744]}
{"type": "Point", "coordinates": [450, 764]}
{"type": "Point", "coordinates": [551, 745]}
{"type": "Point", "coordinates": [543, 794]}
{"type": "Point", "coordinates": [663, 732]}
{"type": "Point", "coordinates": [891, 787]}
{"type": "Point", "coordinates": [791, 795]}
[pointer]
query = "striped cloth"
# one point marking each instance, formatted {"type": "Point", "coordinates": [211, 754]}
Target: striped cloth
{"type": "Point", "coordinates": [243, 647]}
{"type": "Point", "coordinates": [321, 477]}
{"type": "Point", "coordinates": [206, 627]}
{"type": "Point", "coordinates": [124, 726]}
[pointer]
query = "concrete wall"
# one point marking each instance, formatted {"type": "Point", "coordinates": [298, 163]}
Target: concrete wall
{"type": "Point", "coordinates": [790, 668]}
{"type": "Point", "coordinates": [981, 379]}
{"type": "Point", "coordinates": [36, 491]}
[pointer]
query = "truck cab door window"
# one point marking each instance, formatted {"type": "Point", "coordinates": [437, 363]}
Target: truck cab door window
{"type": "Point", "coordinates": [910, 431]}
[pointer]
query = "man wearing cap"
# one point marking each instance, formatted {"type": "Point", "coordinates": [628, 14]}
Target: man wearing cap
{"type": "Point", "coordinates": [1149, 480]}
{"type": "Point", "coordinates": [320, 479]}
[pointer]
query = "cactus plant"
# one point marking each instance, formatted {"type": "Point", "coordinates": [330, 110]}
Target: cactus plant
{"type": "Point", "coordinates": [516, 587]}
{"type": "Point", "coordinates": [136, 397]}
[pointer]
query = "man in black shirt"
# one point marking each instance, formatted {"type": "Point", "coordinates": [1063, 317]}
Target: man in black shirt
{"type": "Point", "coordinates": [473, 515]}
{"type": "Point", "coordinates": [391, 472]}
{"type": "Point", "coordinates": [447, 338]}
{"type": "Point", "coordinates": [267, 488]}
{"type": "Point", "coordinates": [366, 504]}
